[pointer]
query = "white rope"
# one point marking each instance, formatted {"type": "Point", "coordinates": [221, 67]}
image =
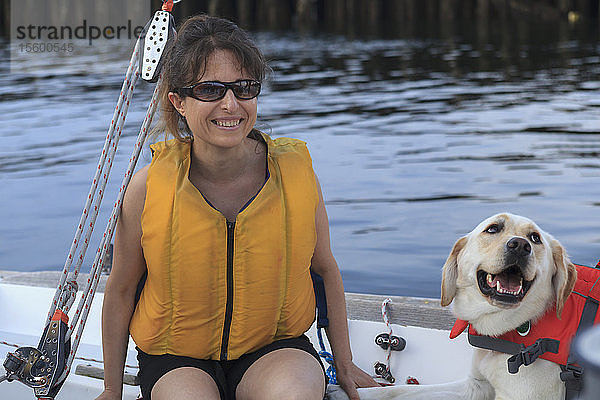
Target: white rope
{"type": "Point", "coordinates": [108, 233]}
{"type": "Point", "coordinates": [110, 157]}
{"type": "Point", "coordinates": [109, 138]}
{"type": "Point", "coordinates": [387, 322]}
{"type": "Point", "coordinates": [66, 291]}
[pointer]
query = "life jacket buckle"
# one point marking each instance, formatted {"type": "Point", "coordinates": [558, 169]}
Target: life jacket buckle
{"type": "Point", "coordinates": [571, 372]}
{"type": "Point", "coordinates": [572, 376]}
{"type": "Point", "coordinates": [529, 354]}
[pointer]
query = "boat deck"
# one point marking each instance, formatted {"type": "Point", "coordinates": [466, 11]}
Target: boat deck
{"type": "Point", "coordinates": [412, 311]}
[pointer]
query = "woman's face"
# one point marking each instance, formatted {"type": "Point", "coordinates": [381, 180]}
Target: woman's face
{"type": "Point", "coordinates": [220, 123]}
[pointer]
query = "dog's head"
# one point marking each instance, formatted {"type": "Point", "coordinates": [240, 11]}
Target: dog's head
{"type": "Point", "coordinates": [505, 272]}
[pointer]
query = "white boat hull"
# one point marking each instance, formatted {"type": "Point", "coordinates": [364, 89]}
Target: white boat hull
{"type": "Point", "coordinates": [430, 356]}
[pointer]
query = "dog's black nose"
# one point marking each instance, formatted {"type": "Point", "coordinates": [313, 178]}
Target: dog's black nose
{"type": "Point", "coordinates": [518, 246]}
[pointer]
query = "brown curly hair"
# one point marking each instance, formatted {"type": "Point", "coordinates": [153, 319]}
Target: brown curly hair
{"type": "Point", "coordinates": [185, 60]}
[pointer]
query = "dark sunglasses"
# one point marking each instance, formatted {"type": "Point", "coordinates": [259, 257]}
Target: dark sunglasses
{"type": "Point", "coordinates": [244, 89]}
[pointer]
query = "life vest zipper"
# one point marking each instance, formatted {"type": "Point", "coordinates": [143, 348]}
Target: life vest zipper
{"type": "Point", "coordinates": [229, 304]}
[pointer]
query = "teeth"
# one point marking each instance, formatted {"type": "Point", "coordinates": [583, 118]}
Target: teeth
{"type": "Point", "coordinates": [227, 124]}
{"type": "Point", "coordinates": [511, 292]}
{"type": "Point", "coordinates": [500, 289]}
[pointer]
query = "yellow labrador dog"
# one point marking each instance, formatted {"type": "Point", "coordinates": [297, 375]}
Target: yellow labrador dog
{"type": "Point", "coordinates": [507, 271]}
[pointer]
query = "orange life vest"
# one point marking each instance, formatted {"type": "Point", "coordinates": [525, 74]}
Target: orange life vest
{"type": "Point", "coordinates": [216, 289]}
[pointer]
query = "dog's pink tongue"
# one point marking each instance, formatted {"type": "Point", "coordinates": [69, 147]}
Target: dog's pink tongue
{"type": "Point", "coordinates": [507, 282]}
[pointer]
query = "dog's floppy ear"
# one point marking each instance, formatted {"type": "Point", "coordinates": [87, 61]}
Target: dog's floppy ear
{"type": "Point", "coordinates": [565, 276]}
{"type": "Point", "coordinates": [450, 272]}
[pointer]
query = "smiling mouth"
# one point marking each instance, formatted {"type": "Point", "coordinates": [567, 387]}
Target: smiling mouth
{"type": "Point", "coordinates": [227, 124]}
{"type": "Point", "coordinates": [508, 287]}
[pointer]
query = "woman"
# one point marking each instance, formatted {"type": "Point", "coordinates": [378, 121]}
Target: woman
{"type": "Point", "coordinates": [227, 223]}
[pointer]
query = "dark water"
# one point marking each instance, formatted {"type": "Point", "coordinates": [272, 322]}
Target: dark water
{"type": "Point", "coordinates": [415, 139]}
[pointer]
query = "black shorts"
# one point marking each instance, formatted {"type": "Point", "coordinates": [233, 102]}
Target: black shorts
{"type": "Point", "coordinates": [226, 374]}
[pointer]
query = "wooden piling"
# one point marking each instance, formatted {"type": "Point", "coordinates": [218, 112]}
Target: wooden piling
{"type": "Point", "coordinates": [431, 11]}
{"type": "Point", "coordinates": [225, 9]}
{"type": "Point", "coordinates": [401, 10]}
{"type": "Point", "coordinates": [370, 13]}
{"type": "Point", "coordinates": [306, 13]}
{"type": "Point", "coordinates": [350, 24]}
{"type": "Point", "coordinates": [5, 18]}
{"type": "Point", "coordinates": [336, 14]}
{"type": "Point", "coordinates": [448, 9]}
{"type": "Point", "coordinates": [483, 9]}
{"type": "Point", "coordinates": [565, 5]}
{"type": "Point", "coordinates": [273, 14]}
{"type": "Point", "coordinates": [245, 12]}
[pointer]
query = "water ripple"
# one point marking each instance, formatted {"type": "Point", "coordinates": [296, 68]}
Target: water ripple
{"type": "Point", "coordinates": [414, 139]}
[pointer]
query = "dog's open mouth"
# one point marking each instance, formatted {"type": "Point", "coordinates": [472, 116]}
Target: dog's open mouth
{"type": "Point", "coordinates": [508, 286]}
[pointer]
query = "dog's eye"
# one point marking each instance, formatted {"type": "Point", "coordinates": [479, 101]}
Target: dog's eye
{"type": "Point", "coordinates": [535, 237]}
{"type": "Point", "coordinates": [494, 228]}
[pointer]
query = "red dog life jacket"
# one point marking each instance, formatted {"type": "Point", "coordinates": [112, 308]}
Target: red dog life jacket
{"type": "Point", "coordinates": [580, 311]}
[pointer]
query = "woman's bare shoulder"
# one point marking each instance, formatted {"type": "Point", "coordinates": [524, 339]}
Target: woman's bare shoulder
{"type": "Point", "coordinates": [135, 194]}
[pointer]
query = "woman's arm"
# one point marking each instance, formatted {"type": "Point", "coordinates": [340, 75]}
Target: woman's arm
{"type": "Point", "coordinates": [349, 376]}
{"type": "Point", "coordinates": [119, 295]}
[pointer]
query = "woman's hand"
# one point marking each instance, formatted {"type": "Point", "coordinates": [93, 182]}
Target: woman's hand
{"type": "Point", "coordinates": [109, 395]}
{"type": "Point", "coordinates": [350, 377]}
